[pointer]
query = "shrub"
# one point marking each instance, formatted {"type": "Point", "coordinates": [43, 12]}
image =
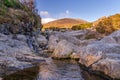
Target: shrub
{"type": "Point", "coordinates": [53, 28]}
{"type": "Point", "coordinates": [11, 3]}
{"type": "Point", "coordinates": [15, 13]}
{"type": "Point", "coordinates": [81, 26]}
{"type": "Point", "coordinates": [109, 24]}
{"type": "Point", "coordinates": [91, 36]}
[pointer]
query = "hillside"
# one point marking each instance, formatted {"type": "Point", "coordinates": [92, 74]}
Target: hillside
{"type": "Point", "coordinates": [64, 23]}
{"type": "Point", "coordinates": [107, 25]}
{"type": "Point", "coordinates": [16, 17]}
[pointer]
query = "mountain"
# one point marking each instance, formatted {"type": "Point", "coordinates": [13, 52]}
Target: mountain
{"type": "Point", "coordinates": [64, 23]}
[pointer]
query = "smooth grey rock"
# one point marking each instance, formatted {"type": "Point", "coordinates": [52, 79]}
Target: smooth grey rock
{"type": "Point", "coordinates": [3, 37]}
{"type": "Point", "coordinates": [109, 66]}
{"type": "Point", "coordinates": [94, 52]}
{"type": "Point", "coordinates": [21, 37]}
{"type": "Point", "coordinates": [52, 43]}
{"type": "Point", "coordinates": [63, 50]}
{"type": "Point", "coordinates": [41, 40]}
{"type": "Point", "coordinates": [100, 55]}
{"type": "Point", "coordinates": [103, 55]}
{"type": "Point", "coordinates": [15, 54]}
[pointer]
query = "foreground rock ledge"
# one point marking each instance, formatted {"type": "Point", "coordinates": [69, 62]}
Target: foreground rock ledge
{"type": "Point", "coordinates": [102, 55]}
{"type": "Point", "coordinates": [15, 54]}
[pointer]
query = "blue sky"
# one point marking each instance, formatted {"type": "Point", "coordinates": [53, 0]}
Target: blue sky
{"type": "Point", "coordinates": [89, 10]}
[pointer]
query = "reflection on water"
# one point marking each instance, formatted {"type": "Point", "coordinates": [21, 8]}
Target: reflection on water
{"type": "Point", "coordinates": [27, 74]}
{"type": "Point", "coordinates": [53, 70]}
{"type": "Point", "coordinates": [68, 69]}
{"type": "Point", "coordinates": [48, 71]}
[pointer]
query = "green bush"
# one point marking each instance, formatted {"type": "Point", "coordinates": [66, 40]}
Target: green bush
{"type": "Point", "coordinates": [91, 36]}
{"type": "Point", "coordinates": [82, 26]}
{"type": "Point", "coordinates": [10, 3]}
{"type": "Point", "coordinates": [53, 28]}
{"type": "Point", "coordinates": [14, 12]}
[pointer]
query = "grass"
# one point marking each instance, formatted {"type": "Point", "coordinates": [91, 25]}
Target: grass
{"type": "Point", "coordinates": [13, 12]}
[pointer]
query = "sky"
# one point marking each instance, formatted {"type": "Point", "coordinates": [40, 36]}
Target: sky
{"type": "Point", "coordinates": [89, 10]}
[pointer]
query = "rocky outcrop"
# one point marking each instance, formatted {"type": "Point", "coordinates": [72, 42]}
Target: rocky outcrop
{"type": "Point", "coordinates": [94, 52]}
{"type": "Point", "coordinates": [15, 54]}
{"type": "Point", "coordinates": [103, 55]}
{"type": "Point", "coordinates": [20, 19]}
{"type": "Point", "coordinates": [65, 44]}
{"type": "Point", "coordinates": [77, 38]}
{"type": "Point", "coordinates": [113, 38]}
{"type": "Point", "coordinates": [99, 55]}
{"type": "Point", "coordinates": [20, 36]}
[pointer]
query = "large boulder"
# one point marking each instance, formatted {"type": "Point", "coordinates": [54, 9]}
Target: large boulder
{"type": "Point", "coordinates": [63, 50]}
{"type": "Point", "coordinates": [94, 52]}
{"type": "Point", "coordinates": [103, 55]}
{"type": "Point", "coordinates": [55, 38]}
{"type": "Point", "coordinates": [70, 39]}
{"type": "Point", "coordinates": [8, 64]}
{"type": "Point", "coordinates": [113, 38]}
{"type": "Point", "coordinates": [52, 43]}
{"type": "Point", "coordinates": [75, 37]}
{"type": "Point", "coordinates": [110, 67]}
{"type": "Point", "coordinates": [15, 54]}
{"type": "Point", "coordinates": [84, 34]}
{"type": "Point", "coordinates": [41, 40]}
{"type": "Point", "coordinates": [67, 43]}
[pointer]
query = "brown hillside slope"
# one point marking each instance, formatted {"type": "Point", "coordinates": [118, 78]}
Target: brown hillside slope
{"type": "Point", "coordinates": [107, 25]}
{"type": "Point", "coordinates": [64, 23]}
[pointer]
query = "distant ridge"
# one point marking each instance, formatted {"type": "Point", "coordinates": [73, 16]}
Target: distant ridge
{"type": "Point", "coordinates": [64, 23]}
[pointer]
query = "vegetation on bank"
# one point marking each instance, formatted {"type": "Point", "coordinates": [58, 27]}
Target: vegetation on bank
{"type": "Point", "coordinates": [75, 27]}
{"type": "Point", "coordinates": [104, 25]}
{"type": "Point", "coordinates": [108, 24]}
{"type": "Point", "coordinates": [81, 26]}
{"type": "Point", "coordinates": [15, 14]}
{"type": "Point", "coordinates": [10, 3]}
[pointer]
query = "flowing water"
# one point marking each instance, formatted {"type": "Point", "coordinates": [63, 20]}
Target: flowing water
{"type": "Point", "coordinates": [56, 70]}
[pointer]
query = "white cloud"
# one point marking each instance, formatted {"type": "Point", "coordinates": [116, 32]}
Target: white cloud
{"type": "Point", "coordinates": [46, 20]}
{"type": "Point", "coordinates": [65, 14]}
{"type": "Point", "coordinates": [46, 17]}
{"type": "Point", "coordinates": [67, 11]}
{"type": "Point", "coordinates": [44, 13]}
